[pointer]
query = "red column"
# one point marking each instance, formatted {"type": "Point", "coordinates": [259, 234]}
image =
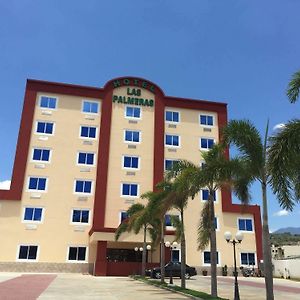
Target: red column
{"type": "Point", "coordinates": [101, 261]}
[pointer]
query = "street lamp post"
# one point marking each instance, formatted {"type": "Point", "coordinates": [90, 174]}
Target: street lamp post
{"type": "Point", "coordinates": [136, 249]}
{"type": "Point", "coordinates": [172, 246]}
{"type": "Point", "coordinates": [238, 239]}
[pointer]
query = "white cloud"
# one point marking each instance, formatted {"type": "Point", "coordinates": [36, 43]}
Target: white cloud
{"type": "Point", "coordinates": [5, 185]}
{"type": "Point", "coordinates": [278, 126]}
{"type": "Point", "coordinates": [281, 213]}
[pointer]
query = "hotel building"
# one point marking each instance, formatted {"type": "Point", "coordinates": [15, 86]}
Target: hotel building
{"type": "Point", "coordinates": [85, 154]}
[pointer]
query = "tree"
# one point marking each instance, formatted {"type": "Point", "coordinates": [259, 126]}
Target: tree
{"type": "Point", "coordinates": [253, 150]}
{"type": "Point", "coordinates": [293, 89]}
{"type": "Point", "coordinates": [140, 217]}
{"type": "Point", "coordinates": [216, 172]}
{"type": "Point", "coordinates": [283, 164]}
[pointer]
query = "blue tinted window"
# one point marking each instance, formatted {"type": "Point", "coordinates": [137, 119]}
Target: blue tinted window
{"type": "Point", "coordinates": [124, 216]}
{"type": "Point", "coordinates": [172, 116]}
{"type": "Point", "coordinates": [37, 183]}
{"type": "Point", "coordinates": [206, 120]}
{"type": "Point", "coordinates": [132, 136]}
{"type": "Point", "coordinates": [77, 253]}
{"type": "Point", "coordinates": [83, 186]}
{"type": "Point", "coordinates": [48, 102]}
{"type": "Point", "coordinates": [216, 223]}
{"type": "Point", "coordinates": [206, 255]}
{"type": "Point", "coordinates": [87, 131]}
{"type": "Point", "coordinates": [207, 143]}
{"type": "Point", "coordinates": [131, 162]}
{"type": "Point", "coordinates": [84, 131]}
{"type": "Point", "coordinates": [245, 224]}
{"type": "Point", "coordinates": [90, 107]}
{"type": "Point", "coordinates": [129, 189]}
{"type": "Point", "coordinates": [28, 252]}
{"type": "Point", "coordinates": [23, 252]}
{"type": "Point", "coordinates": [133, 112]}
{"type": "Point", "coordinates": [205, 194]}
{"type": "Point", "coordinates": [86, 158]}
{"type": "Point", "coordinates": [135, 136]}
{"type": "Point", "coordinates": [41, 154]}
{"type": "Point", "coordinates": [172, 140]}
{"type": "Point", "coordinates": [37, 214]}
{"type": "Point", "coordinates": [28, 215]}
{"type": "Point", "coordinates": [84, 216]}
{"type": "Point", "coordinates": [80, 216]}
{"type": "Point", "coordinates": [168, 220]}
{"type": "Point", "coordinates": [44, 127]}
{"type": "Point", "coordinates": [247, 258]}
{"type": "Point", "coordinates": [76, 216]}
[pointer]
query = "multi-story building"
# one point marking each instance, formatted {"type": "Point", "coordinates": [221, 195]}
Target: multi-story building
{"type": "Point", "coordinates": [85, 154]}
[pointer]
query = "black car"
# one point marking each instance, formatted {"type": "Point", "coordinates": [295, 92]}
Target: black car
{"type": "Point", "coordinates": [175, 267]}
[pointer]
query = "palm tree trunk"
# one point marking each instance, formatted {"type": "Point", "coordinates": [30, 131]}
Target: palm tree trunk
{"type": "Point", "coordinates": [268, 267]}
{"type": "Point", "coordinates": [213, 246]}
{"type": "Point", "coordinates": [183, 252]}
{"type": "Point", "coordinates": [162, 252]}
{"type": "Point", "coordinates": [144, 252]}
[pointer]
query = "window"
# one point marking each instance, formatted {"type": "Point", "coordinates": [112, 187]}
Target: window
{"type": "Point", "coordinates": [130, 189]}
{"type": "Point", "coordinates": [172, 116]}
{"type": "Point", "coordinates": [41, 154]}
{"type": "Point", "coordinates": [169, 163]}
{"type": "Point", "coordinates": [169, 220]}
{"type": "Point", "coordinates": [206, 120]}
{"type": "Point", "coordinates": [206, 143]}
{"type": "Point", "coordinates": [28, 252]}
{"type": "Point", "coordinates": [172, 140]}
{"type": "Point", "coordinates": [175, 255]}
{"type": "Point", "coordinates": [216, 223]}
{"type": "Point", "coordinates": [88, 132]}
{"type": "Point", "coordinates": [131, 162]}
{"type": "Point", "coordinates": [90, 107]}
{"type": "Point", "coordinates": [205, 195]}
{"type": "Point", "coordinates": [85, 158]}
{"type": "Point", "coordinates": [37, 183]}
{"type": "Point", "coordinates": [248, 259]}
{"type": "Point", "coordinates": [245, 224]}
{"type": "Point", "coordinates": [44, 127]}
{"type": "Point", "coordinates": [133, 112]}
{"type": "Point", "coordinates": [83, 186]}
{"type": "Point", "coordinates": [33, 214]}
{"type": "Point", "coordinates": [132, 136]}
{"type": "Point", "coordinates": [124, 216]}
{"type": "Point", "coordinates": [80, 216]}
{"type": "Point", "coordinates": [48, 102]}
{"type": "Point", "coordinates": [206, 257]}
{"type": "Point", "coordinates": [77, 253]}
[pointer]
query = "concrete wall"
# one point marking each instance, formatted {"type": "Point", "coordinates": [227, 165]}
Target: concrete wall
{"type": "Point", "coordinates": [287, 268]}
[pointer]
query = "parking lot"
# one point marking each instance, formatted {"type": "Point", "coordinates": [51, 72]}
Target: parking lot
{"type": "Point", "coordinates": [16, 286]}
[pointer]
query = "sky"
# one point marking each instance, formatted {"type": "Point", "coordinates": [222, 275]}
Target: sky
{"type": "Point", "coordinates": [239, 52]}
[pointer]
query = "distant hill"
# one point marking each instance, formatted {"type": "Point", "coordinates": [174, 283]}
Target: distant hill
{"type": "Point", "coordinates": [291, 230]}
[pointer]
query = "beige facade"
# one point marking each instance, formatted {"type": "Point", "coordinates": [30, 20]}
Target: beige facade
{"type": "Point", "coordinates": [55, 233]}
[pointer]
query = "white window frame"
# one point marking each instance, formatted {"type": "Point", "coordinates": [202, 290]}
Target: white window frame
{"type": "Point", "coordinates": [37, 191]}
{"type": "Point", "coordinates": [245, 218]}
{"type": "Point", "coordinates": [208, 264]}
{"type": "Point", "coordinates": [80, 223]}
{"type": "Point", "coordinates": [172, 110]}
{"type": "Point", "coordinates": [207, 138]}
{"type": "Point", "coordinates": [173, 159]}
{"type": "Point", "coordinates": [44, 134]}
{"type": "Point", "coordinates": [41, 161]}
{"type": "Point", "coordinates": [129, 196]}
{"type": "Point", "coordinates": [32, 221]}
{"type": "Point", "coordinates": [88, 138]}
{"type": "Point", "coordinates": [132, 118]}
{"type": "Point", "coordinates": [208, 115]}
{"type": "Point", "coordinates": [48, 108]}
{"type": "Point", "coordinates": [128, 168]}
{"type": "Point", "coordinates": [171, 227]}
{"type": "Point", "coordinates": [28, 260]}
{"type": "Point", "coordinates": [92, 101]}
{"type": "Point", "coordinates": [132, 142]}
{"type": "Point", "coordinates": [77, 261]}
{"type": "Point", "coordinates": [85, 165]}
{"type": "Point", "coordinates": [245, 251]}
{"type": "Point", "coordinates": [217, 196]}
{"type": "Point", "coordinates": [120, 215]}
{"type": "Point", "coordinates": [173, 146]}
{"type": "Point", "coordinates": [82, 193]}
{"type": "Point", "coordinates": [179, 250]}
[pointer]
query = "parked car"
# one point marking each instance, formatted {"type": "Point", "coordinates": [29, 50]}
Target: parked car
{"type": "Point", "coordinates": [175, 267]}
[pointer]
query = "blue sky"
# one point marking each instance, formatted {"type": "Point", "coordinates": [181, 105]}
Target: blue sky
{"type": "Point", "coordinates": [239, 52]}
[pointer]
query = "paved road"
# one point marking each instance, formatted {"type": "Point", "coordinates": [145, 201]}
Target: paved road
{"type": "Point", "coordinates": [15, 286]}
{"type": "Point", "coordinates": [250, 288]}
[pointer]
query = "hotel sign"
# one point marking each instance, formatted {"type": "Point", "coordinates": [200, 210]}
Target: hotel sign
{"type": "Point", "coordinates": [134, 94]}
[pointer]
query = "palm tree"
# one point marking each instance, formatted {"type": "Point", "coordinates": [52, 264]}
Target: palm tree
{"type": "Point", "coordinates": [253, 150]}
{"type": "Point", "coordinates": [216, 172]}
{"type": "Point", "coordinates": [283, 164]}
{"type": "Point", "coordinates": [140, 217]}
{"type": "Point", "coordinates": [293, 89]}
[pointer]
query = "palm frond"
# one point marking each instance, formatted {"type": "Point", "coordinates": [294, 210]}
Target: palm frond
{"type": "Point", "coordinates": [293, 89]}
{"type": "Point", "coordinates": [204, 227]}
{"type": "Point", "coordinates": [123, 227]}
